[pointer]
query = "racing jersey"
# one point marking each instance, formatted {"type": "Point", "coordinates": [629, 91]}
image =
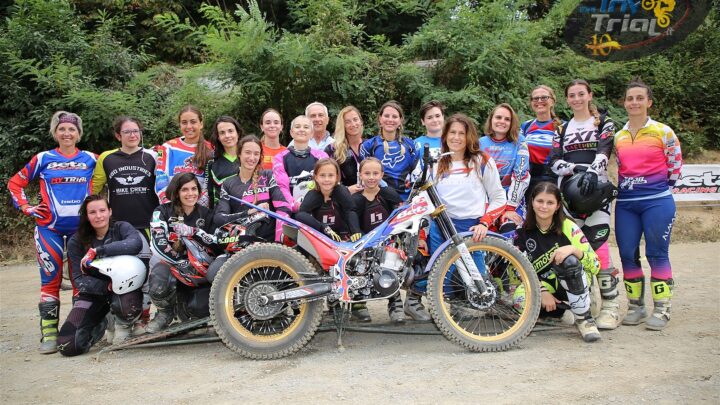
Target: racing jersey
{"type": "Point", "coordinates": [288, 168]}
{"type": "Point", "coordinates": [649, 163]}
{"type": "Point", "coordinates": [65, 181]}
{"type": "Point", "coordinates": [512, 164]}
{"type": "Point", "coordinates": [584, 145]}
{"type": "Point", "coordinates": [268, 155]}
{"type": "Point", "coordinates": [538, 136]}
{"type": "Point", "coordinates": [540, 247]}
{"type": "Point", "coordinates": [471, 192]}
{"type": "Point", "coordinates": [397, 165]}
{"type": "Point", "coordinates": [338, 212]}
{"type": "Point", "coordinates": [435, 145]}
{"type": "Point", "coordinates": [373, 213]}
{"type": "Point", "coordinates": [349, 168]}
{"type": "Point", "coordinates": [161, 225]}
{"type": "Point", "coordinates": [221, 168]}
{"type": "Point", "coordinates": [130, 180]}
{"type": "Point", "coordinates": [176, 156]}
{"type": "Point", "coordinates": [265, 189]}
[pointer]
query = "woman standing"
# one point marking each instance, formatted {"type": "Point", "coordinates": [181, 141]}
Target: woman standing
{"type": "Point", "coordinates": [186, 154]}
{"type": "Point", "coordinates": [539, 133]}
{"type": "Point", "coordinates": [396, 152]}
{"type": "Point", "coordinates": [271, 125]}
{"type": "Point", "coordinates": [509, 151]}
{"type": "Point", "coordinates": [346, 147]}
{"type": "Point", "coordinates": [65, 175]}
{"type": "Point", "coordinates": [225, 136]}
{"type": "Point", "coordinates": [649, 163]}
{"type": "Point", "coordinates": [562, 258]}
{"type": "Point", "coordinates": [585, 144]}
{"type": "Point", "coordinates": [98, 236]}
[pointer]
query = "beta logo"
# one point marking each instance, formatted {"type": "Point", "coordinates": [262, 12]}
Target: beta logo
{"type": "Point", "coordinates": [615, 30]}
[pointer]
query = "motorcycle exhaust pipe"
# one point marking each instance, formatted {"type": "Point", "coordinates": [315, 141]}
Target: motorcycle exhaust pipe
{"type": "Point", "coordinates": [297, 293]}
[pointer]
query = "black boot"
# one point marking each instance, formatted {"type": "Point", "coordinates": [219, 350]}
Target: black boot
{"type": "Point", "coordinates": [49, 314]}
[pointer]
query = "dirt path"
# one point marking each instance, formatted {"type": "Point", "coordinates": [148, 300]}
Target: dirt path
{"type": "Point", "coordinates": [678, 365]}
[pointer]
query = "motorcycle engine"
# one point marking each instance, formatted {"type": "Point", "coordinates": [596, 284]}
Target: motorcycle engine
{"type": "Point", "coordinates": [383, 269]}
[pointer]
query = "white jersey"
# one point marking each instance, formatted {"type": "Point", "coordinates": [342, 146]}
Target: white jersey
{"type": "Point", "coordinates": [466, 191]}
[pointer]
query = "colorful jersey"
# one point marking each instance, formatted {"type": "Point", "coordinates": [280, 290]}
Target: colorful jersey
{"type": "Point", "coordinates": [582, 144]}
{"type": "Point", "coordinates": [649, 163]}
{"type": "Point", "coordinates": [397, 165]}
{"type": "Point", "coordinates": [472, 193]}
{"type": "Point", "coordinates": [435, 146]}
{"type": "Point", "coordinates": [512, 164]}
{"type": "Point", "coordinates": [221, 168]}
{"type": "Point", "coordinates": [539, 136]}
{"type": "Point", "coordinates": [540, 248]}
{"type": "Point", "coordinates": [65, 181]}
{"type": "Point", "coordinates": [265, 190]}
{"type": "Point", "coordinates": [268, 155]}
{"type": "Point", "coordinates": [130, 179]}
{"type": "Point", "coordinates": [350, 168]}
{"type": "Point", "coordinates": [288, 166]}
{"type": "Point", "coordinates": [176, 156]}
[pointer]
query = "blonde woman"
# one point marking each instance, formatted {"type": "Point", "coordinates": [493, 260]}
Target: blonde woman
{"type": "Point", "coordinates": [346, 148]}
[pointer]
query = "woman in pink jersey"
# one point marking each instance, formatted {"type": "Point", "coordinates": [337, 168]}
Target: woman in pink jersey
{"type": "Point", "coordinates": [649, 163]}
{"type": "Point", "coordinates": [65, 175]}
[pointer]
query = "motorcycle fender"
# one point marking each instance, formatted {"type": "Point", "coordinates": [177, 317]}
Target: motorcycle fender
{"type": "Point", "coordinates": [445, 244]}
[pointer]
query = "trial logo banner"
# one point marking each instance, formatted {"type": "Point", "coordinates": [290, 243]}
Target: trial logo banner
{"type": "Point", "coordinates": [617, 30]}
{"type": "Point", "coordinates": [698, 183]}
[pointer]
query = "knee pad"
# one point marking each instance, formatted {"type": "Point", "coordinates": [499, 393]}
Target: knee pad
{"type": "Point", "coordinates": [570, 272]}
{"type": "Point", "coordinates": [608, 281]}
{"type": "Point", "coordinates": [127, 308]}
{"type": "Point", "coordinates": [162, 288]}
{"type": "Point", "coordinates": [661, 289]}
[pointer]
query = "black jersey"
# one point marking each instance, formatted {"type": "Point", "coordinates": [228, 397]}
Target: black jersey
{"type": "Point", "coordinates": [349, 168]}
{"type": "Point", "coordinates": [220, 169]}
{"type": "Point", "coordinates": [583, 143]}
{"type": "Point", "coordinates": [164, 218]}
{"type": "Point", "coordinates": [130, 183]}
{"type": "Point", "coordinates": [338, 212]}
{"type": "Point", "coordinates": [373, 213]}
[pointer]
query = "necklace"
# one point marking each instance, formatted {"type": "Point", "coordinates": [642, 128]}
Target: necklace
{"type": "Point", "coordinates": [546, 229]}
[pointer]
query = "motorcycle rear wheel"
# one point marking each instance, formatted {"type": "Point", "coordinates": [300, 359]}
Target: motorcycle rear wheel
{"type": "Point", "coordinates": [497, 325]}
{"type": "Point", "coordinates": [256, 331]}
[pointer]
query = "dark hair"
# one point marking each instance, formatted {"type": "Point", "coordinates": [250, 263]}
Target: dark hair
{"type": "Point", "coordinates": [513, 131]}
{"type": "Point", "coordinates": [473, 153]}
{"type": "Point", "coordinates": [429, 105]}
{"type": "Point", "coordinates": [215, 137]}
{"type": "Point", "coordinates": [202, 154]}
{"type": "Point", "coordinates": [119, 121]}
{"type": "Point", "coordinates": [558, 217]}
{"type": "Point", "coordinates": [85, 230]}
{"type": "Point", "coordinates": [637, 82]}
{"type": "Point", "coordinates": [262, 118]}
{"type": "Point", "coordinates": [173, 190]}
{"type": "Point", "coordinates": [591, 106]}
{"type": "Point", "coordinates": [256, 171]}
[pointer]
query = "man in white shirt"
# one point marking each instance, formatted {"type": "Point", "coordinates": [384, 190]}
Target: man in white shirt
{"type": "Point", "coordinates": [318, 114]}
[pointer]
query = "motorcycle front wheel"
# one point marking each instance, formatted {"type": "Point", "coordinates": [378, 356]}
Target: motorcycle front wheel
{"type": "Point", "coordinates": [492, 323]}
{"type": "Point", "coordinates": [243, 323]}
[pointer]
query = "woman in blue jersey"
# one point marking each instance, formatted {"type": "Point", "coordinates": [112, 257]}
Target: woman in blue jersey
{"type": "Point", "coordinates": [188, 153]}
{"type": "Point", "coordinates": [65, 175]}
{"type": "Point", "coordinates": [509, 151]}
{"type": "Point", "coordinates": [396, 152]}
{"type": "Point", "coordinates": [226, 134]}
{"type": "Point", "coordinates": [539, 133]}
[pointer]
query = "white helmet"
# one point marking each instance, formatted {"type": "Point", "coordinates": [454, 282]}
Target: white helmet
{"type": "Point", "coordinates": [126, 272]}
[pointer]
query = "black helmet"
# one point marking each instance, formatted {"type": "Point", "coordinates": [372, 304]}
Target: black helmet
{"type": "Point", "coordinates": [578, 203]}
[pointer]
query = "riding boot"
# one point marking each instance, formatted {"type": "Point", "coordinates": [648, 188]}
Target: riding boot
{"type": "Point", "coordinates": [587, 327]}
{"type": "Point", "coordinates": [609, 316]}
{"type": "Point", "coordinates": [636, 301]}
{"type": "Point", "coordinates": [662, 293]}
{"type": "Point", "coordinates": [395, 309]}
{"type": "Point", "coordinates": [414, 308]}
{"type": "Point", "coordinates": [163, 317]}
{"type": "Point", "coordinates": [49, 314]}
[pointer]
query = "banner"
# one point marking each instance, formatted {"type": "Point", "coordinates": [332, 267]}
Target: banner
{"type": "Point", "coordinates": [698, 183]}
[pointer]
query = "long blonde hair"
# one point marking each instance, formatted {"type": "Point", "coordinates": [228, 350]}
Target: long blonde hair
{"type": "Point", "coordinates": [398, 132]}
{"type": "Point", "coordinates": [341, 144]}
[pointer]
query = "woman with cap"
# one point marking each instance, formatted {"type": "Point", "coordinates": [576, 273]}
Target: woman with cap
{"type": "Point", "coordinates": [65, 175]}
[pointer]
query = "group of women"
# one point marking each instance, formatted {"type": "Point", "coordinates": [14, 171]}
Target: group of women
{"type": "Point", "coordinates": [509, 179]}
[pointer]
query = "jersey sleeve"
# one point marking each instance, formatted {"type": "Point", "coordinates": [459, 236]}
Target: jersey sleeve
{"type": "Point", "coordinates": [283, 181]}
{"type": "Point", "coordinates": [99, 177]}
{"type": "Point", "coordinates": [312, 201]}
{"type": "Point", "coordinates": [344, 199]}
{"type": "Point", "coordinates": [277, 197]}
{"type": "Point", "coordinates": [520, 177]}
{"type": "Point", "coordinates": [673, 155]}
{"type": "Point", "coordinates": [495, 192]}
{"type": "Point", "coordinates": [128, 242]}
{"type": "Point", "coordinates": [557, 164]}
{"type": "Point", "coordinates": [590, 261]}
{"type": "Point", "coordinates": [21, 179]}
{"type": "Point", "coordinates": [159, 238]}
{"type": "Point", "coordinates": [162, 175]}
{"type": "Point", "coordinates": [83, 283]}
{"type": "Point", "coordinates": [604, 148]}
{"type": "Point", "coordinates": [223, 212]}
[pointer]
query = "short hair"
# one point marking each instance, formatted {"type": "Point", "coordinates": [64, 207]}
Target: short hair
{"type": "Point", "coordinates": [313, 104]}
{"type": "Point", "coordinates": [430, 105]}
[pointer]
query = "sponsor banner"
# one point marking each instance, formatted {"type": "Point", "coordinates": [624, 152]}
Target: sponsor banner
{"type": "Point", "coordinates": [698, 183]}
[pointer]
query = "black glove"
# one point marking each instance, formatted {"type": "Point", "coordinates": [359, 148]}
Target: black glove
{"type": "Point", "coordinates": [588, 183]}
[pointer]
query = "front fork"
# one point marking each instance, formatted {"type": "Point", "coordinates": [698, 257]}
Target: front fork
{"type": "Point", "coordinates": [469, 273]}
